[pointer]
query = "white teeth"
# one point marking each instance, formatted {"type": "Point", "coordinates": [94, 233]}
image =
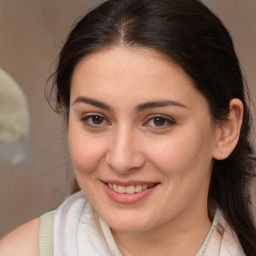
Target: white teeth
{"type": "Point", "coordinates": [115, 187]}
{"type": "Point", "coordinates": [138, 188]}
{"type": "Point", "coordinates": [129, 189]}
{"type": "Point", "coordinates": [144, 187]}
{"type": "Point", "coordinates": [121, 189]}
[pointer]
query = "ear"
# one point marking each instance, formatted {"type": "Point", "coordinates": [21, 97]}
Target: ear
{"type": "Point", "coordinates": [228, 131]}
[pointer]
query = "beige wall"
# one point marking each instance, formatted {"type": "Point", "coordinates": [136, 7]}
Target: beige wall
{"type": "Point", "coordinates": [31, 34]}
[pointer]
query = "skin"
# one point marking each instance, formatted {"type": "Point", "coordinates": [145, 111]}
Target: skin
{"type": "Point", "coordinates": [22, 241]}
{"type": "Point", "coordinates": [115, 134]}
{"type": "Point", "coordinates": [128, 146]}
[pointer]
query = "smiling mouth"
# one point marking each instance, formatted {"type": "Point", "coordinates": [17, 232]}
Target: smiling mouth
{"type": "Point", "coordinates": [132, 189]}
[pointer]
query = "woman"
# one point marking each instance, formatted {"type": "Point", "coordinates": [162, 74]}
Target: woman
{"type": "Point", "coordinates": [158, 131]}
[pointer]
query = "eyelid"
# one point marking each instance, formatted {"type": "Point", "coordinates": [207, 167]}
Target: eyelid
{"type": "Point", "coordinates": [168, 119]}
{"type": "Point", "coordinates": [85, 118]}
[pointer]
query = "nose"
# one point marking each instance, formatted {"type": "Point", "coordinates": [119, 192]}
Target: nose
{"type": "Point", "coordinates": [125, 151]}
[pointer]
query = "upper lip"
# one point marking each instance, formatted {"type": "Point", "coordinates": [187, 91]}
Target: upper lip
{"type": "Point", "coordinates": [130, 182]}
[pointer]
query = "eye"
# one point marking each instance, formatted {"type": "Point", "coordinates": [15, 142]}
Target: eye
{"type": "Point", "coordinates": [94, 120]}
{"type": "Point", "coordinates": [159, 122]}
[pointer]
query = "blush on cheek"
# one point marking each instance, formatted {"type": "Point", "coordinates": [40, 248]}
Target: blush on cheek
{"type": "Point", "coordinates": [171, 153]}
{"type": "Point", "coordinates": [85, 155]}
{"type": "Point", "coordinates": [180, 155]}
{"type": "Point", "coordinates": [83, 160]}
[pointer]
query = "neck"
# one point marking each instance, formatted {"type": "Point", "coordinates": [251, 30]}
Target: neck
{"type": "Point", "coordinates": [183, 235]}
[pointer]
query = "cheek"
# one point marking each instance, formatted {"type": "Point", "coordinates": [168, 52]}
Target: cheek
{"type": "Point", "coordinates": [185, 164]}
{"type": "Point", "coordinates": [184, 153]}
{"type": "Point", "coordinates": [85, 151]}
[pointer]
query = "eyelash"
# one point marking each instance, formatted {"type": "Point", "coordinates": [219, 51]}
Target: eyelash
{"type": "Point", "coordinates": [87, 120]}
{"type": "Point", "coordinates": [167, 121]}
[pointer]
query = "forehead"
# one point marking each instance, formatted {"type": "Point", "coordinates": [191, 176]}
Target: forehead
{"type": "Point", "coordinates": [131, 73]}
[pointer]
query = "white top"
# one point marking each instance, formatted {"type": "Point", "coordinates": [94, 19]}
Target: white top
{"type": "Point", "coordinates": [79, 231]}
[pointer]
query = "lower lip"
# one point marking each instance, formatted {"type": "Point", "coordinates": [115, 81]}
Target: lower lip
{"type": "Point", "coordinates": [127, 198]}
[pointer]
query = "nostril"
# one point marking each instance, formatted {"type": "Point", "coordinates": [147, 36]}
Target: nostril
{"type": "Point", "coordinates": [125, 161]}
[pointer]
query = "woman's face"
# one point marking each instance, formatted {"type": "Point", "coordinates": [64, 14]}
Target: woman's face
{"type": "Point", "coordinates": [141, 139]}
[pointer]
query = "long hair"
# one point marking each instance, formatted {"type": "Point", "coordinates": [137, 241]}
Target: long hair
{"type": "Point", "coordinates": [195, 39]}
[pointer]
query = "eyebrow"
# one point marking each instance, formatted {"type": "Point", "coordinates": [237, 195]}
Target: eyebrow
{"type": "Point", "coordinates": [139, 108]}
{"type": "Point", "coordinates": [158, 104]}
{"type": "Point", "coordinates": [91, 101]}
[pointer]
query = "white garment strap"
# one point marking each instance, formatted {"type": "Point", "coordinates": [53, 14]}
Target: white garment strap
{"type": "Point", "coordinates": [209, 235]}
{"type": "Point", "coordinates": [77, 231]}
{"type": "Point", "coordinates": [46, 234]}
{"type": "Point", "coordinates": [109, 238]}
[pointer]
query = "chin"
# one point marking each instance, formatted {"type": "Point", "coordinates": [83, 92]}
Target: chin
{"type": "Point", "coordinates": [129, 224]}
{"type": "Point", "coordinates": [127, 228]}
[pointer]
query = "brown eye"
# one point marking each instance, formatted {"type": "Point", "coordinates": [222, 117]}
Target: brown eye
{"type": "Point", "coordinates": [94, 120]}
{"type": "Point", "coordinates": [159, 121]}
{"type": "Point", "coordinates": [97, 120]}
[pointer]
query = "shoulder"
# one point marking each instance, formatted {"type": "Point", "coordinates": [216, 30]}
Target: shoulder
{"type": "Point", "coordinates": [22, 241]}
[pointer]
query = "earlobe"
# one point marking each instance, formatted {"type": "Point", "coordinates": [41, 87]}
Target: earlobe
{"type": "Point", "coordinates": [228, 131]}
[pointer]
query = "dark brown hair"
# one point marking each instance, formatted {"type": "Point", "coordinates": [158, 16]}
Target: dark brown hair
{"type": "Point", "coordinates": [192, 36]}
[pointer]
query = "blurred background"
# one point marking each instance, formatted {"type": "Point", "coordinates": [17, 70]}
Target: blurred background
{"type": "Point", "coordinates": [34, 175]}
